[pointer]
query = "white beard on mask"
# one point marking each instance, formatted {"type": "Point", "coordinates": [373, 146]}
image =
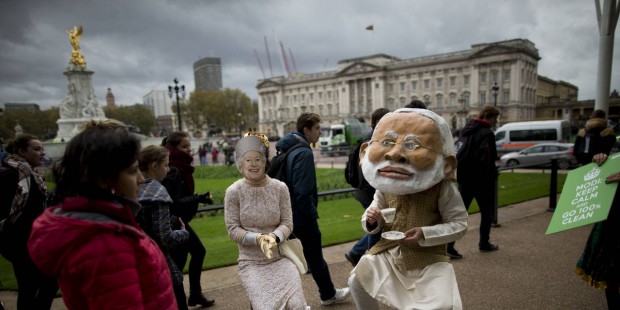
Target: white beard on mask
{"type": "Point", "coordinates": [421, 180]}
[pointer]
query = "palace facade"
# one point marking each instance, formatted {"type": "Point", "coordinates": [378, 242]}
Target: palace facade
{"type": "Point", "coordinates": [454, 85]}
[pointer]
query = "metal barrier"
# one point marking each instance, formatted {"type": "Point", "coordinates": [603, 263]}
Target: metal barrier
{"type": "Point", "coordinates": [324, 193]}
{"type": "Point", "coordinates": [553, 186]}
{"type": "Point", "coordinates": [553, 192]}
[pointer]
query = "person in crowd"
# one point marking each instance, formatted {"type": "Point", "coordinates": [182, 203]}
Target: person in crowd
{"type": "Point", "coordinates": [214, 153]}
{"type": "Point", "coordinates": [477, 173]}
{"type": "Point", "coordinates": [597, 137]}
{"type": "Point", "coordinates": [258, 216]}
{"type": "Point", "coordinates": [364, 194]}
{"type": "Point", "coordinates": [301, 182]}
{"type": "Point", "coordinates": [416, 104]}
{"type": "Point", "coordinates": [410, 162]}
{"type": "Point", "coordinates": [598, 264]}
{"type": "Point", "coordinates": [154, 217]}
{"type": "Point", "coordinates": [179, 182]}
{"type": "Point", "coordinates": [90, 241]}
{"type": "Point", "coordinates": [202, 154]}
{"type": "Point", "coordinates": [22, 199]}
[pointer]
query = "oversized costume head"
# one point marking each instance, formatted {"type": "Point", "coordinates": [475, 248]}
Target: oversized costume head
{"type": "Point", "coordinates": [411, 150]}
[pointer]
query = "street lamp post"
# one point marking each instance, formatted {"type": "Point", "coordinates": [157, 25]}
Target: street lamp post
{"type": "Point", "coordinates": [494, 91]}
{"type": "Point", "coordinates": [176, 89]}
{"type": "Point", "coordinates": [462, 112]}
{"type": "Point", "coordinates": [240, 124]}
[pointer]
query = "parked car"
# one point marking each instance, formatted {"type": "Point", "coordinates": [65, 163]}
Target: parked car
{"type": "Point", "coordinates": [541, 155]}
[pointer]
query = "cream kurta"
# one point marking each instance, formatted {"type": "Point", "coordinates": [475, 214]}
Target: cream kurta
{"type": "Point", "coordinates": [384, 277]}
{"type": "Point", "coordinates": [252, 209]}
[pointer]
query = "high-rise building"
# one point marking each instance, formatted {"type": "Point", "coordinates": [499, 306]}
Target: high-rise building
{"type": "Point", "coordinates": [208, 74]}
{"type": "Point", "coordinates": [159, 102]}
{"type": "Point", "coordinates": [109, 98]}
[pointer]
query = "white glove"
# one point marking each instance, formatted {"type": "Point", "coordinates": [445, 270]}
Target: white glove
{"type": "Point", "coordinates": [267, 244]}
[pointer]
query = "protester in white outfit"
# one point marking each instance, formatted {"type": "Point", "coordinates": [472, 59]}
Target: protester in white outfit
{"type": "Point", "coordinates": [410, 161]}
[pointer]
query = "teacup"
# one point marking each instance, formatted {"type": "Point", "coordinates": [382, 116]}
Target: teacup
{"type": "Point", "coordinates": [388, 214]}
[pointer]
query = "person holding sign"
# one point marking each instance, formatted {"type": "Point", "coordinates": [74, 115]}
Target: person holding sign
{"type": "Point", "coordinates": [599, 263]}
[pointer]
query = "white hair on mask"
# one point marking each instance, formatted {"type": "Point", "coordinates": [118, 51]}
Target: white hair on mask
{"type": "Point", "coordinates": [421, 180]}
{"type": "Point", "coordinates": [442, 124]}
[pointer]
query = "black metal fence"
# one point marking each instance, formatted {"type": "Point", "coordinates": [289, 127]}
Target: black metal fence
{"type": "Point", "coordinates": [324, 193]}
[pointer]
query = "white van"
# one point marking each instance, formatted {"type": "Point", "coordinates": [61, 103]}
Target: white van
{"type": "Point", "coordinates": [516, 136]}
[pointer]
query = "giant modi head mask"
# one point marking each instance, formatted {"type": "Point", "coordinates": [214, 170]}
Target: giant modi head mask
{"type": "Point", "coordinates": [410, 151]}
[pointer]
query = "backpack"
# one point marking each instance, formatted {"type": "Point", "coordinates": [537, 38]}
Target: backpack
{"type": "Point", "coordinates": [277, 169]}
{"type": "Point", "coordinates": [351, 170]}
{"type": "Point", "coordinates": [464, 149]}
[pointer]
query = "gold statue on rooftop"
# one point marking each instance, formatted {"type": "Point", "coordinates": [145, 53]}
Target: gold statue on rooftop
{"type": "Point", "coordinates": [74, 38]}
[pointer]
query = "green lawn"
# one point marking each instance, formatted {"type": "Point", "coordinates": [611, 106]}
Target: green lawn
{"type": "Point", "coordinates": [339, 214]}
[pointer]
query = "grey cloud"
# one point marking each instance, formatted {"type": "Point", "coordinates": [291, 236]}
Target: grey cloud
{"type": "Point", "coordinates": [140, 45]}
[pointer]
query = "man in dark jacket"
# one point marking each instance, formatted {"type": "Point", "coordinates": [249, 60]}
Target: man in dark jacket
{"type": "Point", "coordinates": [477, 172]}
{"type": "Point", "coordinates": [301, 182]}
{"type": "Point", "coordinates": [596, 138]}
{"type": "Point", "coordinates": [364, 194]}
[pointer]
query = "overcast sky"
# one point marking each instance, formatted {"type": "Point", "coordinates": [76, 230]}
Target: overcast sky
{"type": "Point", "coordinates": [141, 45]}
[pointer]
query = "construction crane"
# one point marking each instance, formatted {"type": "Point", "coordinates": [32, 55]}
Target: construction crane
{"type": "Point", "coordinates": [268, 57]}
{"type": "Point", "coordinates": [259, 64]}
{"type": "Point", "coordinates": [292, 61]}
{"type": "Point", "coordinates": [287, 69]}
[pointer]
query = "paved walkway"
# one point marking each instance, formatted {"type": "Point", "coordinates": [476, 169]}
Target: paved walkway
{"type": "Point", "coordinates": [530, 271]}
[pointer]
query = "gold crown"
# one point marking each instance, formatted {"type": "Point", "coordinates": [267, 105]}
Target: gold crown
{"type": "Point", "coordinates": [261, 136]}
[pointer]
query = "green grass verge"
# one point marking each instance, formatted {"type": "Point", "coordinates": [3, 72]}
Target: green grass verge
{"type": "Point", "coordinates": [339, 214]}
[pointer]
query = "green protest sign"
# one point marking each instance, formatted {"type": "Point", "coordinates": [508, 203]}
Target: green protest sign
{"type": "Point", "coordinates": [585, 197]}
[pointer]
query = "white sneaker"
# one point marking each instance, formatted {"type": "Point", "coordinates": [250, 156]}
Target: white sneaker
{"type": "Point", "coordinates": [341, 295]}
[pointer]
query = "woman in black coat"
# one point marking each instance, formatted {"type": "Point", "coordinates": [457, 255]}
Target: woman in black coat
{"type": "Point", "coordinates": [179, 183]}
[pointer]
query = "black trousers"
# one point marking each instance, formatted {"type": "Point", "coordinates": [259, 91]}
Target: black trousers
{"type": "Point", "coordinates": [484, 192]}
{"type": "Point", "coordinates": [193, 246]}
{"type": "Point", "coordinates": [35, 290]}
{"type": "Point", "coordinates": [310, 237]}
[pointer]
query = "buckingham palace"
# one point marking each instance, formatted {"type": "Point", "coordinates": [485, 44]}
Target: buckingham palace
{"type": "Point", "coordinates": [454, 85]}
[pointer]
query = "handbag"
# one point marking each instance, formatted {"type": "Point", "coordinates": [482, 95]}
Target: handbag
{"type": "Point", "coordinates": [292, 249]}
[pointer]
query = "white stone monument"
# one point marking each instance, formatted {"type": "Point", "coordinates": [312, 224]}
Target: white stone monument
{"type": "Point", "coordinates": [80, 104]}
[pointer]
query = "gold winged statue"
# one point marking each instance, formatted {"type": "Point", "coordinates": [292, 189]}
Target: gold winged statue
{"type": "Point", "coordinates": [74, 38]}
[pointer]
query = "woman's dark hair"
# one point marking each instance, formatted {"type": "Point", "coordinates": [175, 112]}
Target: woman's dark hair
{"type": "Point", "coordinates": [151, 154]}
{"type": "Point", "coordinates": [174, 139]}
{"type": "Point", "coordinates": [97, 154]}
{"type": "Point", "coordinates": [598, 114]}
{"type": "Point", "coordinates": [20, 142]}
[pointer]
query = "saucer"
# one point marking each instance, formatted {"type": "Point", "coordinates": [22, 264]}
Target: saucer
{"type": "Point", "coordinates": [393, 235]}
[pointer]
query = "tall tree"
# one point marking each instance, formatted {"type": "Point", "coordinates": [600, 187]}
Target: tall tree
{"type": "Point", "coordinates": [137, 116]}
{"type": "Point", "coordinates": [227, 109]}
{"type": "Point", "coordinates": [41, 123]}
